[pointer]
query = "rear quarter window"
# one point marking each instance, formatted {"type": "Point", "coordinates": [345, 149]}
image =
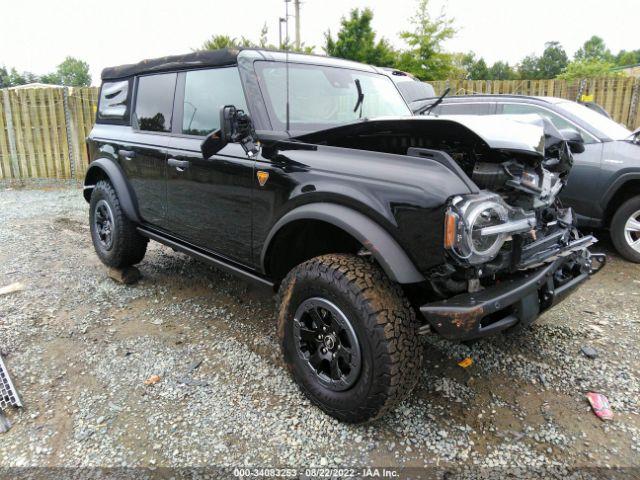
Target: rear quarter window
{"type": "Point", "coordinates": [114, 103]}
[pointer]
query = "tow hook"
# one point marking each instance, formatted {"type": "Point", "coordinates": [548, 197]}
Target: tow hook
{"type": "Point", "coordinates": [600, 259]}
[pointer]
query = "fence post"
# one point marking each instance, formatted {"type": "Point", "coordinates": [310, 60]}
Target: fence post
{"type": "Point", "coordinates": [633, 110]}
{"type": "Point", "coordinates": [71, 131]}
{"type": "Point", "coordinates": [11, 133]}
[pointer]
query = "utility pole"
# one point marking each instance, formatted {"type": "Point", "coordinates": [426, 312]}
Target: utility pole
{"type": "Point", "coordinates": [280, 22]}
{"type": "Point", "coordinates": [296, 4]}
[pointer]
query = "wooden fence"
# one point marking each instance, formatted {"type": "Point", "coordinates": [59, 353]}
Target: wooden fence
{"type": "Point", "coordinates": [43, 130]}
{"type": "Point", "coordinates": [620, 96]}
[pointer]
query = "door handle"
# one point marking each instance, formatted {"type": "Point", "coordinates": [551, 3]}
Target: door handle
{"type": "Point", "coordinates": [126, 154]}
{"type": "Point", "coordinates": [181, 165]}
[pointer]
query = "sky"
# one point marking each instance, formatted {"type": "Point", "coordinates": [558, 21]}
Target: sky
{"type": "Point", "coordinates": [36, 35]}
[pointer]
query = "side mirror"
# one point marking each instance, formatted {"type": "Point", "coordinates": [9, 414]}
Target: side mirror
{"type": "Point", "coordinates": [212, 144]}
{"type": "Point", "coordinates": [574, 140]}
{"type": "Point", "coordinates": [235, 127]}
{"type": "Point", "coordinates": [218, 139]}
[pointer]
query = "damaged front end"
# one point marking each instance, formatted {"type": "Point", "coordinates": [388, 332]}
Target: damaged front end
{"type": "Point", "coordinates": [512, 249]}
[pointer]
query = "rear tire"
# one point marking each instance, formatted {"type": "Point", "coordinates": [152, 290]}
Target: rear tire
{"type": "Point", "coordinates": [625, 229]}
{"type": "Point", "coordinates": [115, 238]}
{"type": "Point", "coordinates": [377, 327]}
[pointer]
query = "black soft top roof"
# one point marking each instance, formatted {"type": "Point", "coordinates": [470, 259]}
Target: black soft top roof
{"type": "Point", "coordinates": [208, 58]}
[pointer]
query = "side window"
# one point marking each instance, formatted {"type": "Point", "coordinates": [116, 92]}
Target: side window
{"type": "Point", "coordinates": [205, 92]}
{"type": "Point", "coordinates": [113, 105]}
{"type": "Point", "coordinates": [465, 109]}
{"type": "Point", "coordinates": [559, 122]}
{"type": "Point", "coordinates": [154, 102]}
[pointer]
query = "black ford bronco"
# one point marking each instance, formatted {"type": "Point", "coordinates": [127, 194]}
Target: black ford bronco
{"type": "Point", "coordinates": [309, 175]}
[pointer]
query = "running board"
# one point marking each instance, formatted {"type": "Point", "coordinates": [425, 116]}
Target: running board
{"type": "Point", "coordinates": [8, 394]}
{"type": "Point", "coordinates": [206, 257]}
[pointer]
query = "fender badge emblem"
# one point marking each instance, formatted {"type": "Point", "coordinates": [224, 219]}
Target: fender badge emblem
{"type": "Point", "coordinates": [262, 177]}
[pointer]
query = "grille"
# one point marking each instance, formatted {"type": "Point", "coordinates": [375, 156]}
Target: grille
{"type": "Point", "coordinates": [8, 395]}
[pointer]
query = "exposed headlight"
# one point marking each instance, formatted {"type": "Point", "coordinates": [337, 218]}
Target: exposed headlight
{"type": "Point", "coordinates": [476, 226]}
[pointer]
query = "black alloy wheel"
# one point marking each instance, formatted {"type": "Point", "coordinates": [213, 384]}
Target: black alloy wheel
{"type": "Point", "coordinates": [348, 336]}
{"type": "Point", "coordinates": [103, 220]}
{"type": "Point", "coordinates": [115, 238]}
{"type": "Point", "coordinates": [325, 339]}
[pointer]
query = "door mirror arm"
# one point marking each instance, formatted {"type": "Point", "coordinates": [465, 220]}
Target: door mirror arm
{"type": "Point", "coordinates": [574, 140]}
{"type": "Point", "coordinates": [235, 127]}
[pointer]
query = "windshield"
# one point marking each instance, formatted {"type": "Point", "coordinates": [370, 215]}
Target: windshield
{"type": "Point", "coordinates": [413, 91]}
{"type": "Point", "coordinates": [605, 125]}
{"type": "Point", "coordinates": [322, 97]}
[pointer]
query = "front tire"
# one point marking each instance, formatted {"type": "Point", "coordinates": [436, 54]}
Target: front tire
{"type": "Point", "coordinates": [625, 229]}
{"type": "Point", "coordinates": [349, 336]}
{"type": "Point", "coordinates": [115, 238]}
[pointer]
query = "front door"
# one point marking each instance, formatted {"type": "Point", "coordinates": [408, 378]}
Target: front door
{"type": "Point", "coordinates": [209, 201]}
{"type": "Point", "coordinates": [582, 190]}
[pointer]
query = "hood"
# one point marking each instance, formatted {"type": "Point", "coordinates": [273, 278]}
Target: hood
{"type": "Point", "coordinates": [525, 133]}
{"type": "Point", "coordinates": [521, 133]}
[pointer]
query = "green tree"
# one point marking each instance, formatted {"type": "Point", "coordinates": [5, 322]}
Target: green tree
{"type": "Point", "coordinates": [217, 42]}
{"type": "Point", "coordinates": [356, 40]}
{"type": "Point", "coordinates": [13, 78]}
{"type": "Point", "coordinates": [467, 60]}
{"type": "Point", "coordinates": [460, 63]}
{"type": "Point", "coordinates": [4, 77]}
{"type": "Point", "coordinates": [528, 68]}
{"type": "Point", "coordinates": [501, 71]}
{"type": "Point", "coordinates": [625, 58]}
{"type": "Point", "coordinates": [594, 49]}
{"type": "Point", "coordinates": [553, 61]}
{"type": "Point", "coordinates": [589, 68]}
{"type": "Point", "coordinates": [425, 57]}
{"type": "Point", "coordinates": [72, 72]}
{"type": "Point", "coordinates": [263, 42]}
{"type": "Point", "coordinates": [478, 70]}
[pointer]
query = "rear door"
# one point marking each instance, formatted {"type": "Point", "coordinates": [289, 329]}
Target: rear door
{"type": "Point", "coordinates": [209, 201]}
{"type": "Point", "coordinates": [143, 153]}
{"type": "Point", "coordinates": [583, 185]}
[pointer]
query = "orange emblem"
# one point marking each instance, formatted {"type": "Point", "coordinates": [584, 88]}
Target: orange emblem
{"type": "Point", "coordinates": [262, 177]}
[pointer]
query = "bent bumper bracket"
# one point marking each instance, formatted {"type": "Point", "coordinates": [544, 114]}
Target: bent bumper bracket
{"type": "Point", "coordinates": [519, 300]}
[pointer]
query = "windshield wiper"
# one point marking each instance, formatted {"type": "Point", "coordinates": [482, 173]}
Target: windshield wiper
{"type": "Point", "coordinates": [360, 100]}
{"type": "Point", "coordinates": [427, 108]}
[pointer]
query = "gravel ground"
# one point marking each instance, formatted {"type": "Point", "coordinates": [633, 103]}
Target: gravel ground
{"type": "Point", "coordinates": [80, 348]}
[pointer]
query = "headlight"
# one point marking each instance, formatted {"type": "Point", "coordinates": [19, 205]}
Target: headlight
{"type": "Point", "coordinates": [485, 214]}
{"type": "Point", "coordinates": [476, 226]}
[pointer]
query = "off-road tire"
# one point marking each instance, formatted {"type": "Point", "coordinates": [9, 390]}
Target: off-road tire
{"type": "Point", "coordinates": [383, 321]}
{"type": "Point", "coordinates": [617, 226]}
{"type": "Point", "coordinates": [129, 247]}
